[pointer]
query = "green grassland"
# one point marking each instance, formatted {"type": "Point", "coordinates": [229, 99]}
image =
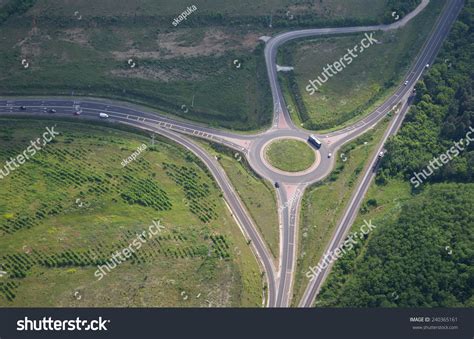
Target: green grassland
{"type": "Point", "coordinates": [83, 49]}
{"type": "Point", "coordinates": [290, 155]}
{"type": "Point", "coordinates": [72, 205]}
{"type": "Point", "coordinates": [324, 203]}
{"type": "Point", "coordinates": [256, 193]}
{"type": "Point", "coordinates": [363, 84]}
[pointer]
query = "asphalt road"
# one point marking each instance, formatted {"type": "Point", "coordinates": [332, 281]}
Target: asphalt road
{"type": "Point", "coordinates": [279, 280]}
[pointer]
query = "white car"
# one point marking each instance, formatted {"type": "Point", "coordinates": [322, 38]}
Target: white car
{"type": "Point", "coordinates": [427, 66]}
{"type": "Point", "coordinates": [406, 83]}
{"type": "Point", "coordinates": [329, 155]}
{"type": "Point", "coordinates": [103, 115]}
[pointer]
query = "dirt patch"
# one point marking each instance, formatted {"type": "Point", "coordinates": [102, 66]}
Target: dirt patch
{"type": "Point", "coordinates": [77, 36]}
{"type": "Point", "coordinates": [215, 42]}
{"type": "Point", "coordinates": [31, 45]}
{"type": "Point", "coordinates": [156, 74]}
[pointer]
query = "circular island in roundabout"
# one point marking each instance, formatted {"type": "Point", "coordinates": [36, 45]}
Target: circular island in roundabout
{"type": "Point", "coordinates": [290, 155]}
{"type": "Point", "coordinates": [287, 157]}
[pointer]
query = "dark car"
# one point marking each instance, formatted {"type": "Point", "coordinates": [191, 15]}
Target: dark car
{"type": "Point", "coordinates": [277, 185]}
{"type": "Point", "coordinates": [23, 108]}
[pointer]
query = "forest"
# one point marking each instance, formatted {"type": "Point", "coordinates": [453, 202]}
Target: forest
{"type": "Point", "coordinates": [423, 259]}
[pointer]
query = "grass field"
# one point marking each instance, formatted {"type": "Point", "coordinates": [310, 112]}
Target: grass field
{"type": "Point", "coordinates": [257, 194]}
{"type": "Point", "coordinates": [324, 203]}
{"type": "Point", "coordinates": [83, 48]}
{"type": "Point", "coordinates": [290, 155]}
{"type": "Point", "coordinates": [355, 90]}
{"type": "Point", "coordinates": [71, 206]}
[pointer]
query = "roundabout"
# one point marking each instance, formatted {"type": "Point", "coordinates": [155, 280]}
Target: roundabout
{"type": "Point", "coordinates": [275, 167]}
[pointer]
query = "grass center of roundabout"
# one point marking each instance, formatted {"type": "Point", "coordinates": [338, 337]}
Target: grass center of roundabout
{"type": "Point", "coordinates": [290, 155]}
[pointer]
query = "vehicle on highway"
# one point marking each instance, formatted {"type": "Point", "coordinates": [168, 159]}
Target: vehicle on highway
{"type": "Point", "coordinates": [329, 155]}
{"type": "Point", "coordinates": [406, 83]}
{"type": "Point", "coordinates": [77, 113]}
{"type": "Point", "coordinates": [277, 185]}
{"type": "Point", "coordinates": [427, 66]}
{"type": "Point", "coordinates": [103, 115]}
{"type": "Point", "coordinates": [23, 108]}
{"type": "Point", "coordinates": [52, 110]}
{"type": "Point", "coordinates": [314, 141]}
{"type": "Point", "coordinates": [379, 158]}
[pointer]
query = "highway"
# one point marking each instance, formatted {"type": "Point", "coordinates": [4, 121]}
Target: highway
{"type": "Point", "coordinates": [292, 186]}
